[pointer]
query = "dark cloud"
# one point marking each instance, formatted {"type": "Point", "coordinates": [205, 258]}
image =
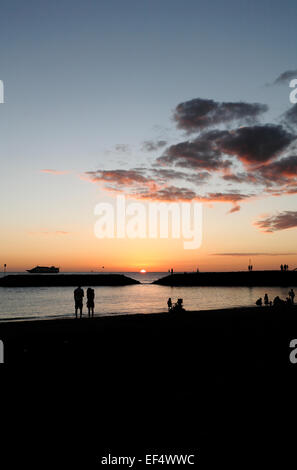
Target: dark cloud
{"type": "Point", "coordinates": [150, 145]}
{"type": "Point", "coordinates": [123, 148]}
{"type": "Point", "coordinates": [255, 144]}
{"type": "Point", "coordinates": [120, 177]}
{"type": "Point", "coordinates": [169, 194]}
{"type": "Point", "coordinates": [278, 177]}
{"type": "Point", "coordinates": [289, 118]}
{"type": "Point", "coordinates": [282, 221]}
{"type": "Point", "coordinates": [143, 176]}
{"type": "Point", "coordinates": [201, 153]}
{"type": "Point", "coordinates": [236, 208]}
{"type": "Point", "coordinates": [233, 197]}
{"type": "Point", "coordinates": [153, 185]}
{"type": "Point", "coordinates": [279, 172]}
{"type": "Point", "coordinates": [236, 178]}
{"type": "Point", "coordinates": [218, 152]}
{"type": "Point", "coordinates": [285, 77]}
{"type": "Point", "coordinates": [198, 114]}
{"type": "Point", "coordinates": [173, 193]}
{"type": "Point", "coordinates": [251, 145]}
{"type": "Point", "coordinates": [169, 174]}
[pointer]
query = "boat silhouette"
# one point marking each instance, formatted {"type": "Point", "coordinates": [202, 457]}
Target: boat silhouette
{"type": "Point", "coordinates": [43, 270]}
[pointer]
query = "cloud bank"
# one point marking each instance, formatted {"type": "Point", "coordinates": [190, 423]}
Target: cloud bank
{"type": "Point", "coordinates": [282, 221]}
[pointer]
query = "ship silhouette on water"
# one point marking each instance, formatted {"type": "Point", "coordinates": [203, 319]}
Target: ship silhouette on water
{"type": "Point", "coordinates": [44, 270]}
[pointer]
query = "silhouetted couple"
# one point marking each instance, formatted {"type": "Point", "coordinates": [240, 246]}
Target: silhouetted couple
{"type": "Point", "coordinates": [78, 301]}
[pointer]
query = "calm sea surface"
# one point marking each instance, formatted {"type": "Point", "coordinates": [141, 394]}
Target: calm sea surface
{"type": "Point", "coordinates": [43, 302]}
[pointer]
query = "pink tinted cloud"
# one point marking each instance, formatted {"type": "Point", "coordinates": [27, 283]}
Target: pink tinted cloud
{"type": "Point", "coordinates": [54, 172]}
{"type": "Point", "coordinates": [45, 232]}
{"type": "Point", "coordinates": [281, 221]}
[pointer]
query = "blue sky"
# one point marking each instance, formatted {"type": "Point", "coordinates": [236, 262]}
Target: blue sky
{"type": "Point", "coordinates": [81, 76]}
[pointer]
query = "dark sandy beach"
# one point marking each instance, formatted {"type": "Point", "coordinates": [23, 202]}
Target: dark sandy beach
{"type": "Point", "coordinates": [29, 340]}
{"type": "Point", "coordinates": [206, 380]}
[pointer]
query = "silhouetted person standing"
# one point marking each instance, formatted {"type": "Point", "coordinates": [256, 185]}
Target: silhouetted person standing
{"type": "Point", "coordinates": [282, 267]}
{"type": "Point", "coordinates": [78, 300]}
{"type": "Point", "coordinates": [90, 301]}
{"type": "Point", "coordinates": [266, 301]}
{"type": "Point", "coordinates": [169, 303]}
{"type": "Point", "coordinates": [292, 295]}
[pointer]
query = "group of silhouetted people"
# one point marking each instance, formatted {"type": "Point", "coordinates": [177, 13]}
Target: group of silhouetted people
{"type": "Point", "coordinates": [277, 301]}
{"type": "Point", "coordinates": [284, 267]}
{"type": "Point", "coordinates": [78, 301]}
{"type": "Point", "coordinates": [177, 307]}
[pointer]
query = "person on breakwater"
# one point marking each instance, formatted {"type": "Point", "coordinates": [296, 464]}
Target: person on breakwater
{"type": "Point", "coordinates": [90, 301]}
{"type": "Point", "coordinates": [259, 302]}
{"type": "Point", "coordinates": [78, 300]}
{"type": "Point", "coordinates": [291, 295]}
{"type": "Point", "coordinates": [266, 300]}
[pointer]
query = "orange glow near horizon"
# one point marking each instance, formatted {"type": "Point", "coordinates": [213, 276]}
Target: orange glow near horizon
{"type": "Point", "coordinates": [228, 243]}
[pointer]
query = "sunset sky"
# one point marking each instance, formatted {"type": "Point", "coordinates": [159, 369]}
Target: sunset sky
{"type": "Point", "coordinates": [159, 100]}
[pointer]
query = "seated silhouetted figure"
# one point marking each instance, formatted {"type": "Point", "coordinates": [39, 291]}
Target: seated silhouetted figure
{"type": "Point", "coordinates": [78, 300]}
{"type": "Point", "coordinates": [277, 302]}
{"type": "Point", "coordinates": [259, 302]}
{"type": "Point", "coordinates": [178, 306]}
{"type": "Point", "coordinates": [90, 301]}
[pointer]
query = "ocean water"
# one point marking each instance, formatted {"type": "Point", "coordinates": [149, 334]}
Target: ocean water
{"type": "Point", "coordinates": [43, 302]}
